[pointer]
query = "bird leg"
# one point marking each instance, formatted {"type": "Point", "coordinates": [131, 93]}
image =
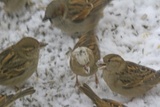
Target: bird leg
{"type": "Point", "coordinates": [96, 80]}
{"type": "Point", "coordinates": [29, 3]}
{"type": "Point", "coordinates": [19, 87]}
{"type": "Point", "coordinates": [77, 82]}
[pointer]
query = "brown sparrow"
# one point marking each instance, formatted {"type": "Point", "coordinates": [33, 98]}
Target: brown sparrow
{"type": "Point", "coordinates": [19, 61]}
{"type": "Point", "coordinates": [97, 100]}
{"type": "Point", "coordinates": [7, 100]}
{"type": "Point", "coordinates": [75, 16]}
{"type": "Point", "coordinates": [128, 78]}
{"type": "Point", "coordinates": [84, 56]}
{"type": "Point", "coordinates": [14, 5]}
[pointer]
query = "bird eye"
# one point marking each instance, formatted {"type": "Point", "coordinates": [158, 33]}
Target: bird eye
{"type": "Point", "coordinates": [109, 60]}
{"type": "Point", "coordinates": [28, 49]}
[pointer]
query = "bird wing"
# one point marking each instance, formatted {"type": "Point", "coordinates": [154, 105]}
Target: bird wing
{"type": "Point", "coordinates": [89, 92]}
{"type": "Point", "coordinates": [113, 103]}
{"type": "Point", "coordinates": [136, 75]}
{"type": "Point", "coordinates": [11, 65]}
{"type": "Point", "coordinates": [13, 97]}
{"type": "Point", "coordinates": [78, 10]}
{"type": "Point", "coordinates": [89, 40]}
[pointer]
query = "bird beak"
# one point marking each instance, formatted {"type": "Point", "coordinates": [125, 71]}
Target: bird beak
{"type": "Point", "coordinates": [43, 44]}
{"type": "Point", "coordinates": [44, 19]}
{"type": "Point", "coordinates": [87, 69]}
{"type": "Point", "coordinates": [101, 65]}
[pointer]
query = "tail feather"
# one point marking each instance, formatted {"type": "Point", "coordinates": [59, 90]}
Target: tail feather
{"type": "Point", "coordinates": [89, 92]}
{"type": "Point", "coordinates": [100, 4]}
{"type": "Point", "coordinates": [114, 103]}
{"type": "Point", "coordinates": [11, 98]}
{"type": "Point", "coordinates": [157, 76]}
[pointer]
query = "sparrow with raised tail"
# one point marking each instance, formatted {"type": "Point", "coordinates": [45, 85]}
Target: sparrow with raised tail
{"type": "Point", "coordinates": [7, 100]}
{"type": "Point", "coordinates": [128, 78]}
{"type": "Point", "coordinates": [97, 100]}
{"type": "Point", "coordinates": [84, 56]}
{"type": "Point", "coordinates": [12, 6]}
{"type": "Point", "coordinates": [19, 61]}
{"type": "Point", "coordinates": [75, 17]}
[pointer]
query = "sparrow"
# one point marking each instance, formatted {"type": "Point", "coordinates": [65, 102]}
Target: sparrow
{"type": "Point", "coordinates": [75, 17]}
{"type": "Point", "coordinates": [19, 61]}
{"type": "Point", "coordinates": [97, 100]}
{"type": "Point", "coordinates": [7, 100]}
{"type": "Point", "coordinates": [128, 78]}
{"type": "Point", "coordinates": [84, 56]}
{"type": "Point", "coordinates": [12, 6]}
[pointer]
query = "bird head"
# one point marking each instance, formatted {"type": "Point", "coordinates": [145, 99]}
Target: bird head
{"type": "Point", "coordinates": [83, 56]}
{"type": "Point", "coordinates": [28, 46]}
{"type": "Point", "coordinates": [55, 9]}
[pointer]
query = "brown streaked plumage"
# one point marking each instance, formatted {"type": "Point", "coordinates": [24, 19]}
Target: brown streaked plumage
{"type": "Point", "coordinates": [85, 55]}
{"type": "Point", "coordinates": [19, 61]}
{"type": "Point", "coordinates": [75, 16]}
{"type": "Point", "coordinates": [12, 6]}
{"type": "Point", "coordinates": [7, 100]}
{"type": "Point", "coordinates": [89, 40]}
{"type": "Point", "coordinates": [128, 78]}
{"type": "Point", "coordinates": [97, 100]}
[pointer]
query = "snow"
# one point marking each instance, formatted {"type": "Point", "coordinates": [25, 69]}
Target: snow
{"type": "Point", "coordinates": [129, 28]}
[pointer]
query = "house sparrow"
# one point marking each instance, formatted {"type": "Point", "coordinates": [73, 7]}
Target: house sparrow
{"type": "Point", "coordinates": [98, 101]}
{"type": "Point", "coordinates": [84, 56]}
{"type": "Point", "coordinates": [12, 6]}
{"type": "Point", "coordinates": [127, 78]}
{"type": "Point", "coordinates": [19, 61]}
{"type": "Point", "coordinates": [75, 17]}
{"type": "Point", "coordinates": [7, 100]}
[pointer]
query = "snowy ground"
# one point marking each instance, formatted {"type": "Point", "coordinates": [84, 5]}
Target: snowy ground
{"type": "Point", "coordinates": [130, 28]}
